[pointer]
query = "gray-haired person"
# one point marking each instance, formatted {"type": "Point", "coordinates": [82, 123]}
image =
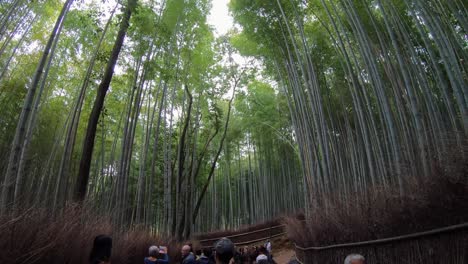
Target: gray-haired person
{"type": "Point", "coordinates": [355, 259]}
{"type": "Point", "coordinates": [157, 256]}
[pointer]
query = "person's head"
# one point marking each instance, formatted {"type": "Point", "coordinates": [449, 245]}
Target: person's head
{"type": "Point", "coordinates": [224, 249]}
{"type": "Point", "coordinates": [185, 250]}
{"type": "Point", "coordinates": [153, 251]}
{"type": "Point", "coordinates": [354, 259]}
{"type": "Point", "coordinates": [102, 248]}
{"type": "Point", "coordinates": [262, 250]}
{"type": "Point", "coordinates": [162, 250]}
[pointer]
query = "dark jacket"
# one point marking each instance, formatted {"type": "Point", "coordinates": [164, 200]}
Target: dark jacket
{"type": "Point", "coordinates": [164, 260]}
{"type": "Point", "coordinates": [189, 259]}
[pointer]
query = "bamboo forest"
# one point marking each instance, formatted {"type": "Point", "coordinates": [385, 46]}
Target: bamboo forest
{"type": "Point", "coordinates": [325, 121]}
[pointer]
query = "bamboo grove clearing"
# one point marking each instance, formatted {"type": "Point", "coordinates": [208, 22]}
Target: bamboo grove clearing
{"type": "Point", "coordinates": [137, 109]}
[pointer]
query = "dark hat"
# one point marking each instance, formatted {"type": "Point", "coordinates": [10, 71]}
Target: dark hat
{"type": "Point", "coordinates": [224, 246]}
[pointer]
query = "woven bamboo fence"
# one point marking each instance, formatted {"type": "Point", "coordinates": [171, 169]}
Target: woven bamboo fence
{"type": "Point", "coordinates": [447, 245]}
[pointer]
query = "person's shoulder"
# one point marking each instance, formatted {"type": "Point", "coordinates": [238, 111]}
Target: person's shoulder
{"type": "Point", "coordinates": [190, 259]}
{"type": "Point", "coordinates": [148, 261]}
{"type": "Point", "coordinates": [161, 261]}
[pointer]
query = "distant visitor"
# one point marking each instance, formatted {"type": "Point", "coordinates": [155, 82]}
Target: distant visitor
{"type": "Point", "coordinates": [157, 255]}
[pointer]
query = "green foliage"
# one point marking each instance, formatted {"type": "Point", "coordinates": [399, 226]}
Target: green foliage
{"type": "Point", "coordinates": [10, 107]}
{"type": "Point", "coordinates": [172, 15]}
{"type": "Point", "coordinates": [345, 85]}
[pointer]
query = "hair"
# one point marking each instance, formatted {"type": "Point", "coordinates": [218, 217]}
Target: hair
{"type": "Point", "coordinates": [102, 248]}
{"type": "Point", "coordinates": [352, 257]}
{"type": "Point", "coordinates": [263, 250]}
{"type": "Point", "coordinates": [225, 257]}
{"type": "Point", "coordinates": [153, 251]}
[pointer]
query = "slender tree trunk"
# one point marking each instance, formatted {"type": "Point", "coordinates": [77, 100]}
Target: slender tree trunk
{"type": "Point", "coordinates": [88, 146]}
{"type": "Point", "coordinates": [72, 129]}
{"type": "Point", "coordinates": [213, 165]}
{"type": "Point", "coordinates": [181, 170]}
{"type": "Point", "coordinates": [21, 128]}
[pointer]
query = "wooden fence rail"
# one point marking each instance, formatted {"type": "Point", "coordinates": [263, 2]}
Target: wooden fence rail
{"type": "Point", "coordinates": [247, 238]}
{"type": "Point", "coordinates": [444, 245]}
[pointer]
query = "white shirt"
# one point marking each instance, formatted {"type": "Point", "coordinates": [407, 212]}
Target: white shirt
{"type": "Point", "coordinates": [261, 257]}
{"type": "Point", "coordinates": [268, 247]}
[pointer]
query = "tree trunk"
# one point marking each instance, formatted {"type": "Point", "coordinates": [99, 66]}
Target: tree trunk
{"type": "Point", "coordinates": [21, 128]}
{"type": "Point", "coordinates": [88, 146]}
{"type": "Point", "coordinates": [213, 165]}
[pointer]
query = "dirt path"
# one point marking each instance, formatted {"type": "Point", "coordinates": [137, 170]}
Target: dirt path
{"type": "Point", "coordinates": [283, 250]}
{"type": "Point", "coordinates": [283, 257]}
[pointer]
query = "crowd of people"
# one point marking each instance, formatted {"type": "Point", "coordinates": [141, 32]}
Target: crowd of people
{"type": "Point", "coordinates": [255, 254]}
{"type": "Point", "coordinates": [223, 252]}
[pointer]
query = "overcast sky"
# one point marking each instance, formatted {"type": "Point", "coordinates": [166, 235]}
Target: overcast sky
{"type": "Point", "coordinates": [219, 17]}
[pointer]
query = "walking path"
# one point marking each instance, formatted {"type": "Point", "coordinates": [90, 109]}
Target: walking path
{"type": "Point", "coordinates": [284, 256]}
{"type": "Point", "coordinates": [283, 250]}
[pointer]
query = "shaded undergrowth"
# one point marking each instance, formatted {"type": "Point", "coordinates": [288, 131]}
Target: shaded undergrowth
{"type": "Point", "coordinates": [35, 236]}
{"type": "Point", "coordinates": [438, 200]}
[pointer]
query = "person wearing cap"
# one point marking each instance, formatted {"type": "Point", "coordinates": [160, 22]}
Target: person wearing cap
{"type": "Point", "coordinates": [224, 251]}
{"type": "Point", "coordinates": [157, 256]}
{"type": "Point", "coordinates": [187, 256]}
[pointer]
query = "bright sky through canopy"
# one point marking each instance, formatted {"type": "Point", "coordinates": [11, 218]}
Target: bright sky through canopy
{"type": "Point", "coordinates": [219, 16]}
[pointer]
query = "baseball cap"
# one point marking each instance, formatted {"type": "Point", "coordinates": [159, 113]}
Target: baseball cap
{"type": "Point", "coordinates": [224, 245]}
